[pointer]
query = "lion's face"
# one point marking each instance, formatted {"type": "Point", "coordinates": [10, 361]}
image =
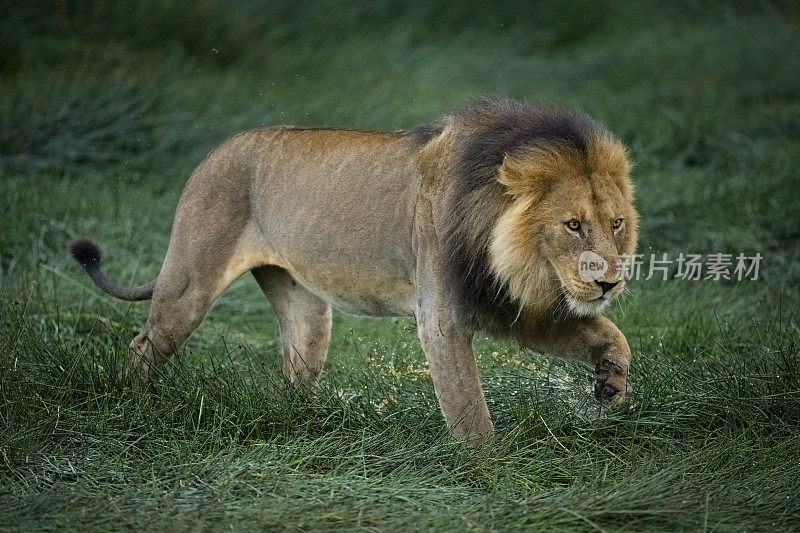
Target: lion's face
{"type": "Point", "coordinates": [586, 224]}
{"type": "Point", "coordinates": [569, 220]}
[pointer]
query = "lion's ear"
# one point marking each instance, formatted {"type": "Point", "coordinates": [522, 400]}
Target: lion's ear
{"type": "Point", "coordinates": [607, 155]}
{"type": "Point", "coordinates": [532, 172]}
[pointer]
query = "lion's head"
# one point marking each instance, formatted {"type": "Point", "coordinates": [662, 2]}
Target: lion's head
{"type": "Point", "coordinates": [571, 211]}
{"type": "Point", "coordinates": [541, 209]}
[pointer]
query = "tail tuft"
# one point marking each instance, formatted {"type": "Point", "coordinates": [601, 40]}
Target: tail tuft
{"type": "Point", "coordinates": [86, 253]}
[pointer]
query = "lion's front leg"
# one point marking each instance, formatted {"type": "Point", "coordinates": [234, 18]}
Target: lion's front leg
{"type": "Point", "coordinates": [454, 372]}
{"type": "Point", "coordinates": [447, 344]}
{"type": "Point", "coordinates": [597, 341]}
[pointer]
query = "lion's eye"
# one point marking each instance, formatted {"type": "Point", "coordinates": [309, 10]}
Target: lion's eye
{"type": "Point", "coordinates": [574, 224]}
{"type": "Point", "coordinates": [617, 223]}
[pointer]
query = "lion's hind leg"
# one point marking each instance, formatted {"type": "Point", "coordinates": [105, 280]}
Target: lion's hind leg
{"type": "Point", "coordinates": [305, 323]}
{"type": "Point", "coordinates": [199, 266]}
{"type": "Point", "coordinates": [175, 313]}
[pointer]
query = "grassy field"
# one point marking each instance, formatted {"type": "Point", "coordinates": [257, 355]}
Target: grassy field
{"type": "Point", "coordinates": [106, 107]}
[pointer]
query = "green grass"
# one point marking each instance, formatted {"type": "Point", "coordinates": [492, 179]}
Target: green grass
{"type": "Point", "coordinates": [104, 111]}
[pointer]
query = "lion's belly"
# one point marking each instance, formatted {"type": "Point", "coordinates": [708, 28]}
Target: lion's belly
{"type": "Point", "coordinates": [387, 298]}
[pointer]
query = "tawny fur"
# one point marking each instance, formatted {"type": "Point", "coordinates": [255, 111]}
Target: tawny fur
{"type": "Point", "coordinates": [460, 222]}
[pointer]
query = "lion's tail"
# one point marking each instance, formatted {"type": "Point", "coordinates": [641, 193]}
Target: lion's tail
{"type": "Point", "coordinates": [87, 254]}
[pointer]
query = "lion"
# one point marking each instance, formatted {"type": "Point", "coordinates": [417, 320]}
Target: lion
{"type": "Point", "coordinates": [474, 221]}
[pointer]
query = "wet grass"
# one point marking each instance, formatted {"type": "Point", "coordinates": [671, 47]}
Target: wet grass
{"type": "Point", "coordinates": [105, 109]}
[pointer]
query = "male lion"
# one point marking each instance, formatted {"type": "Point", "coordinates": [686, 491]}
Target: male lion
{"type": "Point", "coordinates": [474, 221]}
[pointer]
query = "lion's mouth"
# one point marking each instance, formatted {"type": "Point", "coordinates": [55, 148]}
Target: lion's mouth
{"type": "Point", "coordinates": [591, 307]}
{"type": "Point", "coordinates": [581, 300]}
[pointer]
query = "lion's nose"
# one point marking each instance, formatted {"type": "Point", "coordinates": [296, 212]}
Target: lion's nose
{"type": "Point", "coordinates": [606, 286]}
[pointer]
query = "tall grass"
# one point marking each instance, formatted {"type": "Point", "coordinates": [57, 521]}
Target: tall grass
{"type": "Point", "coordinates": [106, 107]}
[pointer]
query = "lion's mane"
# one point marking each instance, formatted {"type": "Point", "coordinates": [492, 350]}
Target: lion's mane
{"type": "Point", "coordinates": [482, 135]}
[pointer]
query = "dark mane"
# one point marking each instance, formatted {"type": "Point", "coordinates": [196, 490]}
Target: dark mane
{"type": "Point", "coordinates": [425, 132]}
{"type": "Point", "coordinates": [485, 130]}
